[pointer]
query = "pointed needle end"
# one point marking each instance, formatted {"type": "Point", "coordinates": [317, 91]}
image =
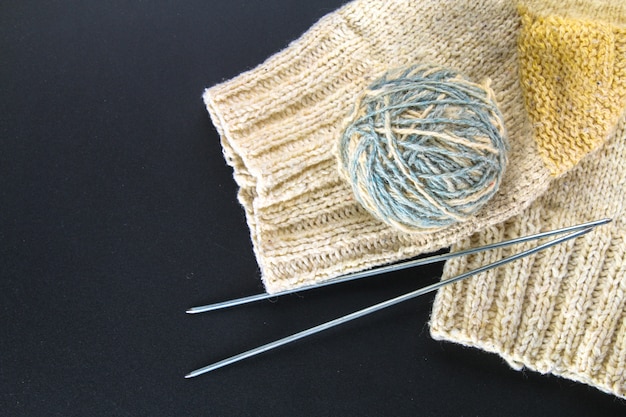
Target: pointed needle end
{"type": "Point", "coordinates": [202, 309]}
{"type": "Point", "coordinates": [200, 371]}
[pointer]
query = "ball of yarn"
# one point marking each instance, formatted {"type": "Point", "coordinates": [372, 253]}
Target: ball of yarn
{"type": "Point", "coordinates": [424, 148]}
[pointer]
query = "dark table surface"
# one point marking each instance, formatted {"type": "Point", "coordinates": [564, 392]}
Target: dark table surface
{"type": "Point", "coordinates": [119, 212]}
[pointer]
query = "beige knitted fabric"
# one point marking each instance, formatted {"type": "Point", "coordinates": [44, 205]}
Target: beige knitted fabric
{"type": "Point", "coordinates": [562, 311]}
{"type": "Point", "coordinates": [279, 124]}
{"type": "Point", "coordinates": [558, 70]}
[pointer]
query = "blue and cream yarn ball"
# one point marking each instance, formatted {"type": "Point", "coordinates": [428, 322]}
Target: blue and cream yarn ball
{"type": "Point", "coordinates": [424, 148]}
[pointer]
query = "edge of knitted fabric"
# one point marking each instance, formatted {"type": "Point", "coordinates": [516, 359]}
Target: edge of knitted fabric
{"type": "Point", "coordinates": [563, 310]}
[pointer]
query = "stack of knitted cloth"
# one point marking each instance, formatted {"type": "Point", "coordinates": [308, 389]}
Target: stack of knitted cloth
{"type": "Point", "coordinates": [558, 73]}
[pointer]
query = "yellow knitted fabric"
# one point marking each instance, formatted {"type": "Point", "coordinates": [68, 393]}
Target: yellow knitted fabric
{"type": "Point", "coordinates": [573, 72]}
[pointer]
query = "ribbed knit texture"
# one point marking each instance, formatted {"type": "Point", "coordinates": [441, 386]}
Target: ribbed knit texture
{"type": "Point", "coordinates": [558, 71]}
{"type": "Point", "coordinates": [562, 311]}
{"type": "Point", "coordinates": [279, 124]}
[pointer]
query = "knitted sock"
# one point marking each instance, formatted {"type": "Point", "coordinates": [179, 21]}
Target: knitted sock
{"type": "Point", "coordinates": [279, 124]}
{"type": "Point", "coordinates": [562, 311]}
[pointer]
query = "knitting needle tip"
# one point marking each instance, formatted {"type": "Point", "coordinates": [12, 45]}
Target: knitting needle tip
{"type": "Point", "coordinates": [392, 267]}
{"type": "Point", "coordinates": [393, 301]}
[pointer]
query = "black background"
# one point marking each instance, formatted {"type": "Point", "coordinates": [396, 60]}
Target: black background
{"type": "Point", "coordinates": [118, 213]}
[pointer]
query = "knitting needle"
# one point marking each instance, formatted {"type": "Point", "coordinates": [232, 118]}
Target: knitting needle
{"type": "Point", "coordinates": [380, 306]}
{"type": "Point", "coordinates": [393, 267]}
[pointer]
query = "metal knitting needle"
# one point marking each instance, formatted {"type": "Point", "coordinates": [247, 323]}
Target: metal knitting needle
{"type": "Point", "coordinates": [380, 306]}
{"type": "Point", "coordinates": [394, 267]}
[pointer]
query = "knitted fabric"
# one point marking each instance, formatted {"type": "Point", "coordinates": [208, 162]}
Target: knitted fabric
{"type": "Point", "coordinates": [562, 311]}
{"type": "Point", "coordinates": [425, 148]}
{"type": "Point", "coordinates": [573, 72]}
{"type": "Point", "coordinates": [279, 124]}
{"type": "Point", "coordinates": [558, 71]}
